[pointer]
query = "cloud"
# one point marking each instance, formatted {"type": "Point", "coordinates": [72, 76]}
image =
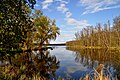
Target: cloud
{"type": "Point", "coordinates": [73, 69]}
{"type": "Point", "coordinates": [68, 14]}
{"type": "Point", "coordinates": [46, 4]}
{"type": "Point", "coordinates": [92, 6]}
{"type": "Point", "coordinates": [37, 5]}
{"type": "Point", "coordinates": [100, 9]}
{"type": "Point", "coordinates": [62, 8]}
{"type": "Point", "coordinates": [63, 37]}
{"type": "Point", "coordinates": [64, 31]}
{"type": "Point", "coordinates": [62, 1]}
{"type": "Point", "coordinates": [69, 19]}
{"type": "Point", "coordinates": [77, 23]}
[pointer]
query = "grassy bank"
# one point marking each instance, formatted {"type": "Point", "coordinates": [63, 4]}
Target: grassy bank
{"type": "Point", "coordinates": [77, 47]}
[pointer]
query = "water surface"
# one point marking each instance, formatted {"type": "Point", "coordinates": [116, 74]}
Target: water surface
{"type": "Point", "coordinates": [75, 64]}
{"type": "Point", "coordinates": [59, 63]}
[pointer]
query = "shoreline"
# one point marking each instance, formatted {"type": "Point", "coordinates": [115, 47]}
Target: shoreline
{"type": "Point", "coordinates": [92, 47]}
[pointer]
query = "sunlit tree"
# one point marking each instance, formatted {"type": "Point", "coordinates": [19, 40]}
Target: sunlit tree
{"type": "Point", "coordinates": [116, 23]}
{"type": "Point", "coordinates": [46, 28]}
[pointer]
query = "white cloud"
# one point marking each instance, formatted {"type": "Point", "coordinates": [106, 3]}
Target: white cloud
{"type": "Point", "coordinates": [92, 6]}
{"type": "Point", "coordinates": [37, 5]}
{"type": "Point", "coordinates": [69, 19]}
{"type": "Point", "coordinates": [46, 4]}
{"type": "Point", "coordinates": [62, 8]}
{"type": "Point", "coordinates": [100, 9]}
{"type": "Point", "coordinates": [62, 1]}
{"type": "Point", "coordinates": [77, 23]}
{"type": "Point", "coordinates": [64, 31]}
{"type": "Point", "coordinates": [63, 37]}
{"type": "Point", "coordinates": [68, 14]}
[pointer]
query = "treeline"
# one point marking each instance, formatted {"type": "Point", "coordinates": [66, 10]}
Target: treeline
{"type": "Point", "coordinates": [99, 36]}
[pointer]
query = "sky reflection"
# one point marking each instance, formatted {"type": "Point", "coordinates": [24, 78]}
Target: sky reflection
{"type": "Point", "coordinates": [68, 66]}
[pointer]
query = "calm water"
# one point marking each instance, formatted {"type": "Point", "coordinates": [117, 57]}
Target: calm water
{"type": "Point", "coordinates": [60, 63]}
{"type": "Point", "coordinates": [75, 64]}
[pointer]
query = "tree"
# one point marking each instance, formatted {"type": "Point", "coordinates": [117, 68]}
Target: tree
{"type": "Point", "coordinates": [116, 23]}
{"type": "Point", "coordinates": [15, 23]}
{"type": "Point", "coordinates": [100, 36]}
{"type": "Point", "coordinates": [116, 28]}
{"type": "Point", "coordinates": [46, 28]}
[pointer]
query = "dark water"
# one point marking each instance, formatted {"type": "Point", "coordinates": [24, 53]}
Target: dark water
{"type": "Point", "coordinates": [77, 63]}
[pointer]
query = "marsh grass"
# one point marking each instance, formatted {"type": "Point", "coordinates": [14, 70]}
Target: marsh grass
{"type": "Point", "coordinates": [99, 74]}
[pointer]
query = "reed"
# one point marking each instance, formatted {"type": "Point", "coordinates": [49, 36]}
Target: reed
{"type": "Point", "coordinates": [99, 74]}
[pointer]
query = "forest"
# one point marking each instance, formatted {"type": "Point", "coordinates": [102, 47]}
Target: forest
{"type": "Point", "coordinates": [99, 36]}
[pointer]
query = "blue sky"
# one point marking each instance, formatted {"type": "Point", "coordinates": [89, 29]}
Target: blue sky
{"type": "Point", "coordinates": [73, 15]}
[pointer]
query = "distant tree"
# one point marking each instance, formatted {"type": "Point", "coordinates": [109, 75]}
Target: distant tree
{"type": "Point", "coordinates": [116, 28]}
{"type": "Point", "coordinates": [99, 36]}
{"type": "Point", "coordinates": [77, 36]}
{"type": "Point", "coordinates": [116, 23]}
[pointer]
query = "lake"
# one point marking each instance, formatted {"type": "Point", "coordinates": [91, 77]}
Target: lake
{"type": "Point", "coordinates": [77, 63]}
{"type": "Point", "coordinates": [61, 63]}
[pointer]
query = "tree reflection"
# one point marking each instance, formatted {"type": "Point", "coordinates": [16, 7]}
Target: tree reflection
{"type": "Point", "coordinates": [29, 65]}
{"type": "Point", "coordinates": [94, 57]}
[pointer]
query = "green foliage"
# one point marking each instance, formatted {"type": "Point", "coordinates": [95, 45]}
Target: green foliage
{"type": "Point", "coordinates": [17, 28]}
{"type": "Point", "coordinates": [14, 23]}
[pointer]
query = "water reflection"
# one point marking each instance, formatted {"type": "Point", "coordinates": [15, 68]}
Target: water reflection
{"type": "Point", "coordinates": [73, 64]}
{"type": "Point", "coordinates": [94, 57]}
{"type": "Point", "coordinates": [69, 69]}
{"type": "Point", "coordinates": [29, 66]}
